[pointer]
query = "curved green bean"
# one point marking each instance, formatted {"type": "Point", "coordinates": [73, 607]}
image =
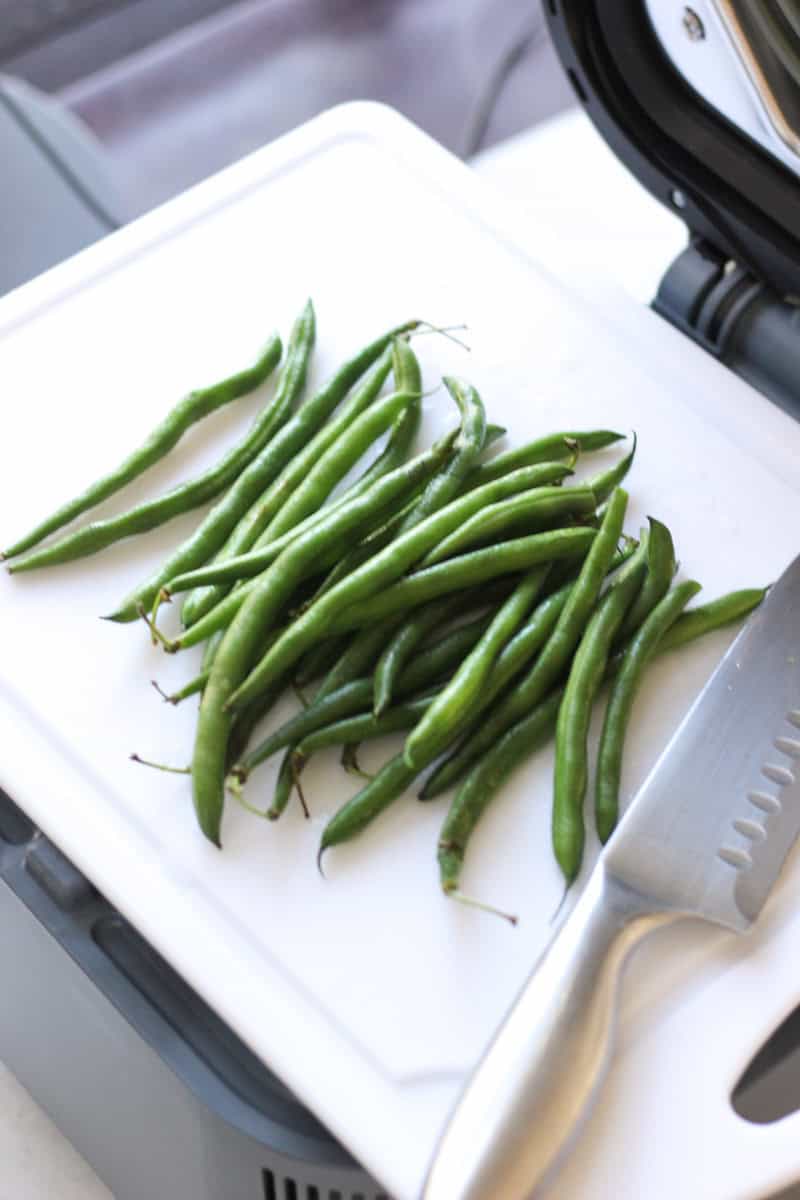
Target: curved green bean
{"type": "Point", "coordinates": [572, 728]}
{"type": "Point", "coordinates": [363, 727]}
{"type": "Point", "coordinates": [152, 513]}
{"type": "Point", "coordinates": [661, 566]}
{"type": "Point", "coordinates": [446, 715]}
{"type": "Point", "coordinates": [484, 780]}
{"type": "Point", "coordinates": [604, 484]}
{"type": "Point", "coordinates": [705, 618]}
{"type": "Point", "coordinates": [401, 646]}
{"type": "Point", "coordinates": [644, 644]}
{"type": "Point", "coordinates": [555, 445]}
{"type": "Point", "coordinates": [159, 442]}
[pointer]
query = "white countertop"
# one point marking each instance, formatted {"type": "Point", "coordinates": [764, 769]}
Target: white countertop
{"type": "Point", "coordinates": [588, 218]}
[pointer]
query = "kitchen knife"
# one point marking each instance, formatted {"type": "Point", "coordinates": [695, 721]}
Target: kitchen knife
{"type": "Point", "coordinates": [706, 836]}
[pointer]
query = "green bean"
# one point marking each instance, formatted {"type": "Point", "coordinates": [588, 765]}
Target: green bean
{"type": "Point", "coordinates": [356, 516]}
{"type": "Point", "coordinates": [363, 727]}
{"type": "Point", "coordinates": [405, 367]}
{"type": "Point", "coordinates": [604, 484]}
{"type": "Point", "coordinates": [160, 441]}
{"type": "Point", "coordinates": [467, 448]}
{"type": "Point", "coordinates": [447, 714]}
{"type": "Point", "coordinates": [383, 568]}
{"type": "Point", "coordinates": [319, 660]}
{"type": "Point", "coordinates": [244, 639]}
{"type": "Point", "coordinates": [354, 696]}
{"type": "Point", "coordinates": [248, 720]}
{"type": "Point", "coordinates": [493, 434]}
{"type": "Point", "coordinates": [555, 445]}
{"type": "Point", "coordinates": [707, 617]}
{"type": "Point", "coordinates": [191, 688]}
{"type": "Point", "coordinates": [519, 554]}
{"type": "Point", "coordinates": [534, 510]}
{"type": "Point", "coordinates": [359, 656]}
{"type": "Point", "coordinates": [486, 775]}
{"type": "Point", "coordinates": [661, 566]}
{"type": "Point", "coordinates": [284, 786]}
{"type": "Point", "coordinates": [644, 644]}
{"type": "Point", "coordinates": [572, 729]}
{"type": "Point", "coordinates": [402, 644]}
{"type": "Point", "coordinates": [373, 799]}
{"type": "Point", "coordinates": [340, 456]}
{"type": "Point", "coordinates": [484, 780]}
{"type": "Point", "coordinates": [579, 599]}
{"type": "Point", "coordinates": [98, 534]}
{"type": "Point", "coordinates": [306, 436]}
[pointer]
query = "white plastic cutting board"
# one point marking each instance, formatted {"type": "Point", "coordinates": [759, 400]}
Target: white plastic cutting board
{"type": "Point", "coordinates": [368, 993]}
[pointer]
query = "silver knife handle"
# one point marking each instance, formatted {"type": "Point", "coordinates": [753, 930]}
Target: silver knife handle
{"type": "Point", "coordinates": [535, 1081]}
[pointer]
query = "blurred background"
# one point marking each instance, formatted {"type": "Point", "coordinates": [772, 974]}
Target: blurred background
{"type": "Point", "coordinates": [117, 105]}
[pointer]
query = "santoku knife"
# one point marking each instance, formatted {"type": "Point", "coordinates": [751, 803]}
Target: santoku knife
{"type": "Point", "coordinates": [706, 836]}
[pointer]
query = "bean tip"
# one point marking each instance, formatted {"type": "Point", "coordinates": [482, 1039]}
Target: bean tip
{"type": "Point", "coordinates": [320, 853]}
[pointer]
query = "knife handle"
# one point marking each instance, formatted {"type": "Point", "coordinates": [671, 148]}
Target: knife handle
{"type": "Point", "coordinates": [535, 1081]}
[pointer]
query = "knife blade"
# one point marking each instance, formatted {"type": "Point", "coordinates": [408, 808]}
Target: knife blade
{"type": "Point", "coordinates": [706, 836]}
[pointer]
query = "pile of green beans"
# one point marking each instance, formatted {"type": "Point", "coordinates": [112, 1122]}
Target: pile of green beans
{"type": "Point", "coordinates": [478, 604]}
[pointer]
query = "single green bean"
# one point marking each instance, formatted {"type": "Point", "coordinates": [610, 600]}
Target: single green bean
{"type": "Point", "coordinates": [467, 570]}
{"type": "Point", "coordinates": [284, 786]}
{"type": "Point", "coordinates": [358, 657]}
{"type": "Point", "coordinates": [484, 780]}
{"type": "Point", "coordinates": [447, 714]}
{"type": "Point", "coordinates": [534, 510]}
{"type": "Point", "coordinates": [363, 727]}
{"type": "Point", "coordinates": [661, 566]}
{"type": "Point", "coordinates": [644, 644]}
{"type": "Point", "coordinates": [160, 441]}
{"type": "Point", "coordinates": [572, 729]}
{"type": "Point", "coordinates": [705, 618]}
{"type": "Point", "coordinates": [555, 445]}
{"type": "Point", "coordinates": [604, 484]}
{"type": "Point", "coordinates": [373, 799]}
{"type": "Point", "coordinates": [152, 513]}
{"type": "Point", "coordinates": [380, 570]}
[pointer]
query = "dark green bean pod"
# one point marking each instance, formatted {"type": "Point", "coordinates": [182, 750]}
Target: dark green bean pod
{"type": "Point", "coordinates": [363, 727]}
{"type": "Point", "coordinates": [604, 484]}
{"type": "Point", "coordinates": [383, 568]}
{"type": "Point", "coordinates": [644, 644]}
{"type": "Point", "coordinates": [554, 446]}
{"type": "Point", "coordinates": [483, 782]}
{"type": "Point", "coordinates": [319, 660]}
{"type": "Point", "coordinates": [373, 799]}
{"type": "Point", "coordinates": [467, 570]}
{"type": "Point", "coordinates": [539, 509]}
{"type": "Point", "coordinates": [358, 657]}
{"type": "Point", "coordinates": [572, 729]}
{"type": "Point", "coordinates": [401, 646]}
{"type": "Point", "coordinates": [445, 717]}
{"type": "Point", "coordinates": [284, 786]}
{"type": "Point", "coordinates": [160, 441]}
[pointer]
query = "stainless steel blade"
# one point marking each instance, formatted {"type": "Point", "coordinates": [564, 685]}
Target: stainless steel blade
{"type": "Point", "coordinates": [711, 826]}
